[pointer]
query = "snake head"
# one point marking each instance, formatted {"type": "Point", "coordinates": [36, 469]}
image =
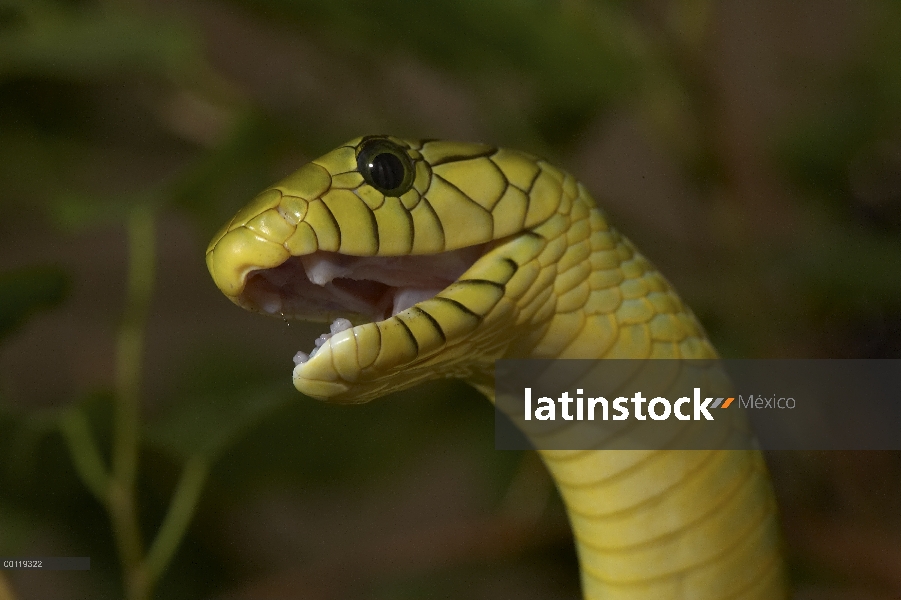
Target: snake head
{"type": "Point", "coordinates": [422, 254]}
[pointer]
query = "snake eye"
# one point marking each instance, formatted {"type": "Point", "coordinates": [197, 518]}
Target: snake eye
{"type": "Point", "coordinates": [385, 166]}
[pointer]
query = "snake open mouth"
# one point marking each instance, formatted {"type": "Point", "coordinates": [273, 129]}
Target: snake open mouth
{"type": "Point", "coordinates": [329, 285]}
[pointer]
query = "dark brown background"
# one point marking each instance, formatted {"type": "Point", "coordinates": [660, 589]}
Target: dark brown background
{"type": "Point", "coordinates": [751, 149]}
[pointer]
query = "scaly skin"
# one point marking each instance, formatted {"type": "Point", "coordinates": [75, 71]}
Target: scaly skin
{"type": "Point", "coordinates": [557, 281]}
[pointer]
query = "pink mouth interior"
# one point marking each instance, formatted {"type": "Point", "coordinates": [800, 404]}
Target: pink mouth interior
{"type": "Point", "coordinates": [320, 285]}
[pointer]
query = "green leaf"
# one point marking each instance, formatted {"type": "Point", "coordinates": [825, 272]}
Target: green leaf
{"type": "Point", "coordinates": [24, 292]}
{"type": "Point", "coordinates": [845, 263]}
{"type": "Point", "coordinates": [52, 41]}
{"type": "Point", "coordinates": [79, 212]}
{"type": "Point", "coordinates": [207, 424]}
{"type": "Point", "coordinates": [15, 530]}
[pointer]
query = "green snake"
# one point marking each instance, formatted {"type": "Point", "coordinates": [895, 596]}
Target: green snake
{"type": "Point", "coordinates": [433, 259]}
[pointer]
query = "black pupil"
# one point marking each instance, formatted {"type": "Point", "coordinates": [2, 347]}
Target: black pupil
{"type": "Point", "coordinates": [387, 171]}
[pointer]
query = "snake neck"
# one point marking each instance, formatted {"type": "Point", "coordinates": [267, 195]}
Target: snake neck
{"type": "Point", "coordinates": [647, 524]}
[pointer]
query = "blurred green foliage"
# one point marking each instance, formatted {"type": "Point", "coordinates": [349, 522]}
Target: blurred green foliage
{"type": "Point", "coordinates": [26, 291]}
{"type": "Point", "coordinates": [189, 110]}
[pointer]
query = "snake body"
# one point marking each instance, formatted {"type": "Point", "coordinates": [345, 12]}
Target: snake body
{"type": "Point", "coordinates": [543, 275]}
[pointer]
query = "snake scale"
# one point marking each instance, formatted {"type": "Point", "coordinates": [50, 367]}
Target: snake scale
{"type": "Point", "coordinates": [433, 259]}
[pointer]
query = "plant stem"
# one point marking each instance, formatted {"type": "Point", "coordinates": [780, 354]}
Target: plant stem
{"type": "Point", "coordinates": [181, 509]}
{"type": "Point", "coordinates": [129, 357]}
{"type": "Point", "coordinates": [85, 455]}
